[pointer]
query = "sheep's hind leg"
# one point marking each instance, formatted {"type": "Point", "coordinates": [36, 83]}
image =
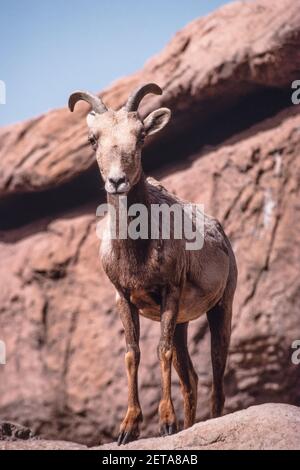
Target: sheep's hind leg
{"type": "Point", "coordinates": [219, 319]}
{"type": "Point", "coordinates": [186, 372]}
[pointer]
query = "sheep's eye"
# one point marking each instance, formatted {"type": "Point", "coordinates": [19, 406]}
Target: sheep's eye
{"type": "Point", "coordinates": [93, 141]}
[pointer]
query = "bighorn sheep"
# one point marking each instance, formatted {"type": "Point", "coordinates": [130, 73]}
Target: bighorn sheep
{"type": "Point", "coordinates": [159, 278]}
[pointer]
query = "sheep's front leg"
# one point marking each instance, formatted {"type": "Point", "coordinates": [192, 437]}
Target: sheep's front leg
{"type": "Point", "coordinates": [129, 429]}
{"type": "Point", "coordinates": [169, 312]}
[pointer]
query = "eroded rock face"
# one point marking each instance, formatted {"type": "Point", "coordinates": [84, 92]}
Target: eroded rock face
{"type": "Point", "coordinates": [64, 375]}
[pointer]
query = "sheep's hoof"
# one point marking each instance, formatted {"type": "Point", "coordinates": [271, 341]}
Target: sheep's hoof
{"type": "Point", "coordinates": [127, 436]}
{"type": "Point", "coordinates": [166, 429]}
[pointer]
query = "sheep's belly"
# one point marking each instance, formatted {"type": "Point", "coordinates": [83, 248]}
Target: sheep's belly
{"type": "Point", "coordinates": [192, 304]}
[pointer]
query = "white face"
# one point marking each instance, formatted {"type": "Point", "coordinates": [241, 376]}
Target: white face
{"type": "Point", "coordinates": [118, 138]}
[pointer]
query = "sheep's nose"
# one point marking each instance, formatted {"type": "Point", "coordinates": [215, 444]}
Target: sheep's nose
{"type": "Point", "coordinates": [117, 181]}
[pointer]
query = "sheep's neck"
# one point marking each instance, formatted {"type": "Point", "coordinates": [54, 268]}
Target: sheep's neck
{"type": "Point", "coordinates": [137, 195]}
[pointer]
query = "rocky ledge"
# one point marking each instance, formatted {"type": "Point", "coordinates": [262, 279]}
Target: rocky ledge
{"type": "Point", "coordinates": [262, 427]}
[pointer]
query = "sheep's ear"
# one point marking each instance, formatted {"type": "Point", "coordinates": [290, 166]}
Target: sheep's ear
{"type": "Point", "coordinates": [90, 119]}
{"type": "Point", "coordinates": [156, 120]}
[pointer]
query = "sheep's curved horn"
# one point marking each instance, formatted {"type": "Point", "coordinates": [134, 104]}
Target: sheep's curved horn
{"type": "Point", "coordinates": [96, 103]}
{"type": "Point", "coordinates": [136, 97]}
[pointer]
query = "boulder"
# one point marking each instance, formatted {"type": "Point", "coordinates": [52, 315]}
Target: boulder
{"type": "Point", "coordinates": [265, 427]}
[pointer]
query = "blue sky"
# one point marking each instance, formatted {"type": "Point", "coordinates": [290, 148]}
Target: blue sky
{"type": "Point", "coordinates": [49, 48]}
